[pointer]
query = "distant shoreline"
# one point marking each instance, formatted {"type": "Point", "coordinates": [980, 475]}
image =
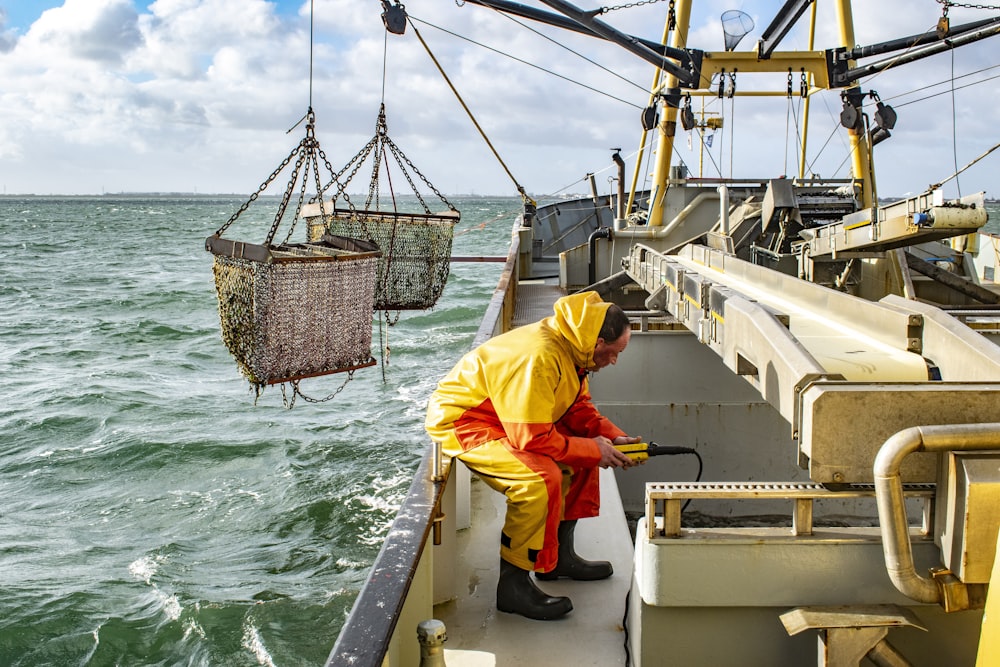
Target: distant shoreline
{"type": "Point", "coordinates": [355, 196]}
{"type": "Point", "coordinates": [225, 195]}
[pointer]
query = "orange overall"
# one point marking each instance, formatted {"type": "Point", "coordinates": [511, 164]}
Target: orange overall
{"type": "Point", "coordinates": [517, 411]}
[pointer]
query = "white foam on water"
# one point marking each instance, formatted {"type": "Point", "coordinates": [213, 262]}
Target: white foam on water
{"type": "Point", "coordinates": [253, 642]}
{"type": "Point", "coordinates": [143, 569]}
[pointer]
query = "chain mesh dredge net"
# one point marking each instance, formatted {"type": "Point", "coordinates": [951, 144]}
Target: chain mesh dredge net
{"type": "Point", "coordinates": [416, 252]}
{"type": "Point", "coordinates": [290, 310]}
{"type": "Point", "coordinates": [305, 311]}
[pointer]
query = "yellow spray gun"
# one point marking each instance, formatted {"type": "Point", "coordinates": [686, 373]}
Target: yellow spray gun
{"type": "Point", "coordinates": [640, 451]}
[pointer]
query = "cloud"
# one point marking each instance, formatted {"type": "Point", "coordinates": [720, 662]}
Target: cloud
{"type": "Point", "coordinates": [185, 94]}
{"type": "Point", "coordinates": [8, 37]}
{"type": "Point", "coordinates": [103, 31]}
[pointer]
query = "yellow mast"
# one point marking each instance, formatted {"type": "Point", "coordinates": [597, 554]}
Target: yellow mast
{"type": "Point", "coordinates": [805, 104]}
{"type": "Point", "coordinates": [859, 142]}
{"type": "Point", "coordinates": [642, 141]}
{"type": "Point", "coordinates": [668, 126]}
{"type": "Point", "coordinates": [811, 63]}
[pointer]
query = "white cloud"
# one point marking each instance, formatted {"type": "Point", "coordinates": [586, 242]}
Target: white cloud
{"type": "Point", "coordinates": [197, 94]}
{"type": "Point", "coordinates": [103, 31]}
{"type": "Point", "coordinates": [8, 37]}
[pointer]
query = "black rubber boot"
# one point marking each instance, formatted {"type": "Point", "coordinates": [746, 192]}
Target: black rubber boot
{"type": "Point", "coordinates": [517, 594]}
{"type": "Point", "coordinates": [572, 566]}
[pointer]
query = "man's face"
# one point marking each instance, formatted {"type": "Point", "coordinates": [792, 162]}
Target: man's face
{"type": "Point", "coordinates": [607, 353]}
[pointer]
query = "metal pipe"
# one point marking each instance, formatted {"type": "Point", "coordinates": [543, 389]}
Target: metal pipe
{"type": "Point", "coordinates": [599, 233]}
{"type": "Point", "coordinates": [479, 258]}
{"type": "Point", "coordinates": [884, 654]}
{"type": "Point", "coordinates": [664, 230]}
{"type": "Point", "coordinates": [620, 208]}
{"type": "Point", "coordinates": [889, 495]}
{"type": "Point", "coordinates": [724, 209]}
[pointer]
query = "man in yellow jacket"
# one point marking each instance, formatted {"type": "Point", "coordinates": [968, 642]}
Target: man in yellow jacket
{"type": "Point", "coordinates": [518, 412]}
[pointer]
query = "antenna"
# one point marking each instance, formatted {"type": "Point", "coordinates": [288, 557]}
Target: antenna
{"type": "Point", "coordinates": [735, 26]}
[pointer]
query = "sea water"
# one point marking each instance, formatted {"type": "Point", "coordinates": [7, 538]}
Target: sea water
{"type": "Point", "coordinates": [151, 512]}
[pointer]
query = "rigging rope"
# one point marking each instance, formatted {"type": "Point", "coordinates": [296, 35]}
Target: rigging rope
{"type": "Point", "coordinates": [939, 83]}
{"type": "Point", "coordinates": [954, 123]}
{"type": "Point", "coordinates": [312, 13]}
{"type": "Point", "coordinates": [937, 185]}
{"type": "Point", "coordinates": [898, 105]}
{"type": "Point", "coordinates": [520, 188]}
{"type": "Point", "coordinates": [529, 64]}
{"type": "Point", "coordinates": [575, 53]}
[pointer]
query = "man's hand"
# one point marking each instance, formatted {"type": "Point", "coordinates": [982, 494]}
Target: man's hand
{"type": "Point", "coordinates": [611, 457]}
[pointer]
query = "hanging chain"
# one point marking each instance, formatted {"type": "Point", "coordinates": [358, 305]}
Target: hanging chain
{"type": "Point", "coordinates": [381, 142]}
{"type": "Point", "coordinates": [423, 178]}
{"type": "Point", "coordinates": [307, 151]}
{"type": "Point", "coordinates": [289, 403]}
{"type": "Point", "coordinates": [373, 183]}
{"type": "Point", "coordinates": [310, 164]}
{"type": "Point", "coordinates": [341, 189]}
{"type": "Point", "coordinates": [964, 5]}
{"type": "Point", "coordinates": [355, 161]}
{"type": "Point", "coordinates": [283, 205]}
{"type": "Point", "coordinates": [257, 193]}
{"type": "Point", "coordinates": [804, 85]}
{"type": "Point", "coordinates": [639, 3]}
{"type": "Point", "coordinates": [789, 82]}
{"type": "Point", "coordinates": [671, 12]}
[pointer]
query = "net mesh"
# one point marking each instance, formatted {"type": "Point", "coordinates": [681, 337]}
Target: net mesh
{"type": "Point", "coordinates": [416, 253]}
{"type": "Point", "coordinates": [735, 26]}
{"type": "Point", "coordinates": [306, 312]}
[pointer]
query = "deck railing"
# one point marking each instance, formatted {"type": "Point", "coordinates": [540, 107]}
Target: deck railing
{"type": "Point", "coordinates": [373, 636]}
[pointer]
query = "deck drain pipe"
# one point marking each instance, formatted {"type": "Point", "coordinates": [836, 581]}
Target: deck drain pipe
{"type": "Point", "coordinates": [889, 496]}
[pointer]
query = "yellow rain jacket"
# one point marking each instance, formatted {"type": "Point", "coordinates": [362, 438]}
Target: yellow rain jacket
{"type": "Point", "coordinates": [517, 411]}
{"type": "Point", "coordinates": [528, 385]}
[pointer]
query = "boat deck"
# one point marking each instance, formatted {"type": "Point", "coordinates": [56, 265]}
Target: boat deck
{"type": "Point", "coordinates": [534, 301]}
{"type": "Point", "coordinates": [593, 633]}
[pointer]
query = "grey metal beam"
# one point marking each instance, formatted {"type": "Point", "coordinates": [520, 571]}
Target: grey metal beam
{"type": "Point", "coordinates": [780, 25]}
{"type": "Point", "coordinates": [628, 42]}
{"type": "Point", "coordinates": [559, 21]}
{"type": "Point", "coordinates": [927, 50]}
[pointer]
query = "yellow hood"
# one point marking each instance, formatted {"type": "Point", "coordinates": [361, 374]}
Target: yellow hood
{"type": "Point", "coordinates": [578, 319]}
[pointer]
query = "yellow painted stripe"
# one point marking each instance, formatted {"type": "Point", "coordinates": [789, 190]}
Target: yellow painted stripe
{"type": "Point", "coordinates": [989, 639]}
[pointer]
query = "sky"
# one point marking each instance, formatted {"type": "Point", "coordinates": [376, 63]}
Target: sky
{"type": "Point", "coordinates": [109, 96]}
